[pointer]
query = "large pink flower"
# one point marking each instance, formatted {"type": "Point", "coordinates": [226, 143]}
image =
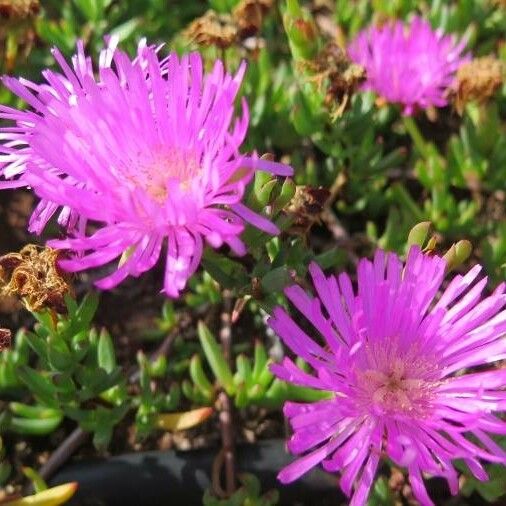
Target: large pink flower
{"type": "Point", "coordinates": [148, 149]}
{"type": "Point", "coordinates": [396, 356]}
{"type": "Point", "coordinates": [410, 65]}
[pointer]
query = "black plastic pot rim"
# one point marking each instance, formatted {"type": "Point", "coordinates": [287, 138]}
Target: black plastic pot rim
{"type": "Point", "coordinates": [159, 478]}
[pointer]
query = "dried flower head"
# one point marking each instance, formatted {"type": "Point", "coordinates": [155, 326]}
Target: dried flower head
{"type": "Point", "coordinates": [412, 65]}
{"type": "Point", "coordinates": [397, 358]}
{"type": "Point", "coordinates": [225, 30]}
{"type": "Point", "coordinates": [249, 15]}
{"type": "Point", "coordinates": [341, 77]}
{"type": "Point", "coordinates": [146, 148]}
{"type": "Point", "coordinates": [17, 32]}
{"type": "Point", "coordinates": [5, 339]}
{"type": "Point", "coordinates": [34, 276]}
{"type": "Point", "coordinates": [213, 29]}
{"type": "Point", "coordinates": [477, 80]}
{"type": "Point", "coordinates": [18, 9]}
{"type": "Point", "coordinates": [306, 207]}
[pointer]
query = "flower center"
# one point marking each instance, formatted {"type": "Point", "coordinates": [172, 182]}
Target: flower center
{"type": "Point", "coordinates": [153, 173]}
{"type": "Point", "coordinates": [400, 386]}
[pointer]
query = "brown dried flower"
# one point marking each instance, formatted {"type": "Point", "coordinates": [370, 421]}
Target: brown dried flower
{"type": "Point", "coordinates": [332, 68]}
{"type": "Point", "coordinates": [477, 80]}
{"type": "Point", "coordinates": [5, 339]}
{"type": "Point", "coordinates": [224, 30]}
{"type": "Point", "coordinates": [248, 16]}
{"type": "Point", "coordinates": [17, 33]}
{"type": "Point", "coordinates": [18, 9]}
{"type": "Point", "coordinates": [213, 29]}
{"type": "Point", "coordinates": [306, 207]}
{"type": "Point", "coordinates": [34, 276]}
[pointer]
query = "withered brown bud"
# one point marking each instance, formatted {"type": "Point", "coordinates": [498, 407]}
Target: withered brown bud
{"type": "Point", "coordinates": [248, 16]}
{"type": "Point", "coordinates": [213, 29]}
{"type": "Point", "coordinates": [225, 30]}
{"type": "Point", "coordinates": [306, 207]}
{"type": "Point", "coordinates": [17, 32]}
{"type": "Point", "coordinates": [5, 339]}
{"type": "Point", "coordinates": [477, 80]}
{"type": "Point", "coordinates": [18, 9]}
{"type": "Point", "coordinates": [33, 276]}
{"type": "Point", "coordinates": [332, 69]}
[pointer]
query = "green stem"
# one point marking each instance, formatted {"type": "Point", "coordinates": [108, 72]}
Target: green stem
{"type": "Point", "coordinates": [421, 145]}
{"type": "Point", "coordinates": [403, 198]}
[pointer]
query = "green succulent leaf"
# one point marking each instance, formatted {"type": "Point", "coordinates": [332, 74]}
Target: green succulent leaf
{"type": "Point", "coordinates": [215, 358]}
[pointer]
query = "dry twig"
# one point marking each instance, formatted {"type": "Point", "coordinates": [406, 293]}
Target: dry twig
{"type": "Point", "coordinates": [226, 457]}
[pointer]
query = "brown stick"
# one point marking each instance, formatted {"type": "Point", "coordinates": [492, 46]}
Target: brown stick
{"type": "Point", "coordinates": [163, 349]}
{"type": "Point", "coordinates": [70, 445]}
{"type": "Point", "coordinates": [339, 233]}
{"type": "Point", "coordinates": [225, 403]}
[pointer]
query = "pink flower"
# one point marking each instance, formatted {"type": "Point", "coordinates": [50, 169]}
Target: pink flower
{"type": "Point", "coordinates": [411, 65]}
{"type": "Point", "coordinates": [396, 356]}
{"type": "Point", "coordinates": [148, 149]}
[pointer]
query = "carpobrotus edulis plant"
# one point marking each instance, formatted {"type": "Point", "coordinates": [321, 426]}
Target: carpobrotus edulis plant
{"type": "Point", "coordinates": [147, 148]}
{"type": "Point", "coordinates": [395, 357]}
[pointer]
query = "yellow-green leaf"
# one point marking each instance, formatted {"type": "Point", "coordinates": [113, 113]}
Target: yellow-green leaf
{"type": "Point", "coordinates": [51, 497]}
{"type": "Point", "coordinates": [182, 421]}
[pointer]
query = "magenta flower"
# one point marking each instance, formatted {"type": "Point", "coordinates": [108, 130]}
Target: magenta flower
{"type": "Point", "coordinates": [412, 66]}
{"type": "Point", "coordinates": [396, 357]}
{"type": "Point", "coordinates": [147, 149]}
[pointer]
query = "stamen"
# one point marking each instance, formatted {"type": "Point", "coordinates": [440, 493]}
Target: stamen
{"type": "Point", "coordinates": [393, 383]}
{"type": "Point", "coordinates": [152, 175]}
